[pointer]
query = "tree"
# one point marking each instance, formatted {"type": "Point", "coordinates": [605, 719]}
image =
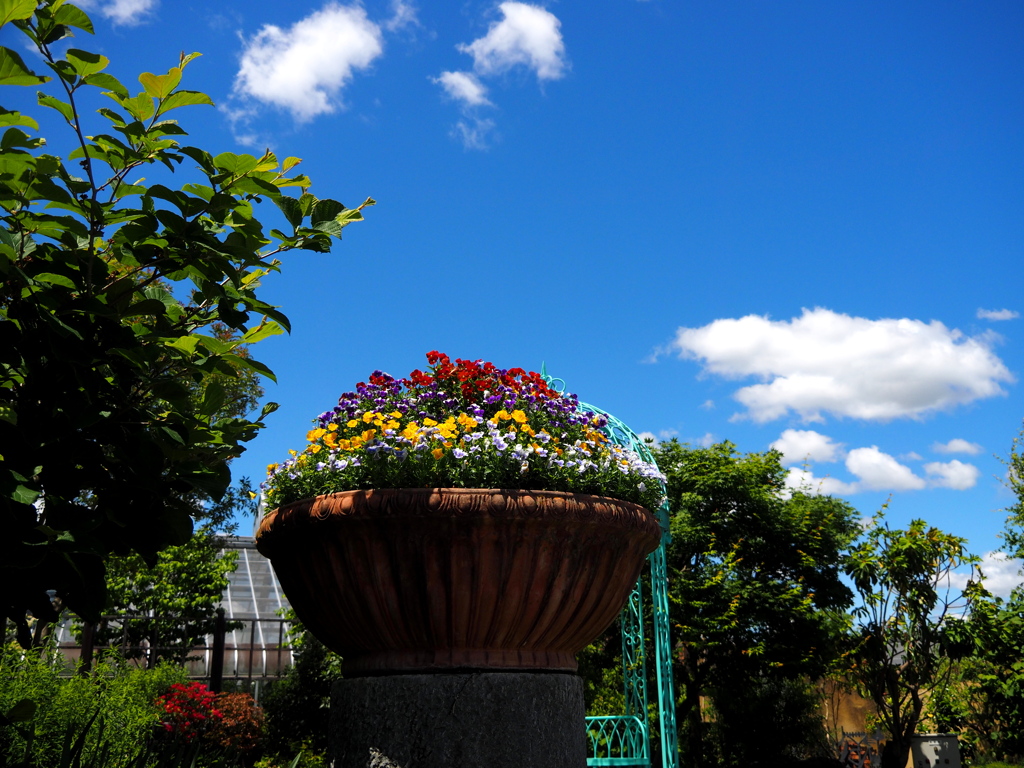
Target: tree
{"type": "Point", "coordinates": [298, 705]}
{"type": "Point", "coordinates": [986, 695]}
{"type": "Point", "coordinates": [753, 577]}
{"type": "Point", "coordinates": [909, 623]}
{"type": "Point", "coordinates": [111, 293]}
{"type": "Point", "coordinates": [172, 603]}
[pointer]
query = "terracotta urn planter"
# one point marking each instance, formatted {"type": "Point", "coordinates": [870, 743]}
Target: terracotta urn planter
{"type": "Point", "coordinates": [435, 580]}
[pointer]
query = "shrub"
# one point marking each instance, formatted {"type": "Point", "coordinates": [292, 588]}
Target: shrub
{"type": "Point", "coordinates": [241, 726]}
{"type": "Point", "coordinates": [113, 706]}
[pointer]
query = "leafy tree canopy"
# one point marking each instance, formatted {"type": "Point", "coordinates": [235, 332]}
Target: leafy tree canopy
{"type": "Point", "coordinates": [112, 292]}
{"type": "Point", "coordinates": [754, 574]}
{"type": "Point", "coordinates": [909, 622]}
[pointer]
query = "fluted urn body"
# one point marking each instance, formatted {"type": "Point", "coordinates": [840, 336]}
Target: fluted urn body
{"type": "Point", "coordinates": [436, 580]}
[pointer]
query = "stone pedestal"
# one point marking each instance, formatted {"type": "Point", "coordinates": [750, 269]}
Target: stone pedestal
{"type": "Point", "coordinates": [469, 720]}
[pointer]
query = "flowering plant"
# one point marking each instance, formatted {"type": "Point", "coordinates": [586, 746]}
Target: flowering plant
{"type": "Point", "coordinates": [187, 710]}
{"type": "Point", "coordinates": [466, 424]}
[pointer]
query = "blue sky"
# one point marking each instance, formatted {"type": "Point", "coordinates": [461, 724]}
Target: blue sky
{"type": "Point", "coordinates": [788, 223]}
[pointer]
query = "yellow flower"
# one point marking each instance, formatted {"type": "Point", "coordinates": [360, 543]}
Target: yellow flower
{"type": "Point", "coordinates": [392, 424]}
{"type": "Point", "coordinates": [368, 434]}
{"type": "Point", "coordinates": [292, 452]}
{"type": "Point", "coordinates": [429, 423]}
{"type": "Point", "coordinates": [438, 453]}
{"type": "Point", "coordinates": [352, 424]}
{"type": "Point", "coordinates": [395, 414]}
{"type": "Point", "coordinates": [527, 429]}
{"type": "Point", "coordinates": [331, 440]}
{"type": "Point", "coordinates": [332, 427]}
{"type": "Point", "coordinates": [314, 449]}
{"type": "Point", "coordinates": [466, 421]}
{"type": "Point", "coordinates": [315, 434]}
{"type": "Point", "coordinates": [518, 416]}
{"type": "Point", "coordinates": [368, 417]}
{"type": "Point", "coordinates": [271, 468]}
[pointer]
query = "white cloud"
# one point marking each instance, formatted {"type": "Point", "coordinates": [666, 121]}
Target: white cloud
{"type": "Point", "coordinates": [122, 12]}
{"type": "Point", "coordinates": [708, 405]}
{"type": "Point", "coordinates": [805, 481]}
{"type": "Point", "coordinates": [826, 362]}
{"type": "Point", "coordinates": [528, 35]}
{"type": "Point", "coordinates": [403, 15]}
{"type": "Point", "coordinates": [1002, 574]}
{"type": "Point", "coordinates": [878, 471]}
{"type": "Point", "coordinates": [463, 87]}
{"type": "Point", "coordinates": [474, 132]}
{"type": "Point", "coordinates": [998, 314]}
{"type": "Point", "coordinates": [957, 445]}
{"type": "Point", "coordinates": [952, 474]}
{"type": "Point", "coordinates": [873, 469]}
{"type": "Point", "coordinates": [304, 68]}
{"type": "Point", "coordinates": [798, 445]}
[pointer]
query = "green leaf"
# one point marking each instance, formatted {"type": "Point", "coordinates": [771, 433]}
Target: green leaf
{"type": "Point", "coordinates": [140, 107]}
{"type": "Point", "coordinates": [290, 208]}
{"type": "Point", "coordinates": [160, 86]}
{"type": "Point", "coordinates": [185, 344]}
{"type": "Point", "coordinates": [235, 164]}
{"type": "Point", "coordinates": [325, 210]}
{"type": "Point", "coordinates": [184, 99]}
{"type": "Point", "coordinates": [86, 63]}
{"type": "Point", "coordinates": [14, 72]}
{"type": "Point", "coordinates": [71, 16]}
{"type": "Point", "coordinates": [16, 10]}
{"type": "Point", "coordinates": [53, 102]}
{"type": "Point", "coordinates": [146, 307]}
{"type": "Point", "coordinates": [15, 137]}
{"type": "Point", "coordinates": [262, 331]}
{"type": "Point", "coordinates": [24, 710]}
{"type": "Point", "coordinates": [117, 91]}
{"type": "Point", "coordinates": [53, 279]}
{"type": "Point", "coordinates": [16, 118]}
{"type": "Point", "coordinates": [8, 414]}
{"type": "Point", "coordinates": [213, 399]}
{"type": "Point", "coordinates": [25, 495]}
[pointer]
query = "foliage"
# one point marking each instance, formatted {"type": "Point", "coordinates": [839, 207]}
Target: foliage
{"type": "Point", "coordinates": [909, 622]}
{"type": "Point", "coordinates": [298, 706]}
{"type": "Point", "coordinates": [464, 425]}
{"type": "Point", "coordinates": [754, 578]}
{"type": "Point", "coordinates": [767, 722]}
{"type": "Point", "coordinates": [600, 668]}
{"type": "Point", "coordinates": [112, 292]}
{"type": "Point", "coordinates": [241, 725]}
{"type": "Point", "coordinates": [985, 696]}
{"type": "Point", "coordinates": [113, 708]}
{"type": "Point", "coordinates": [1014, 530]}
{"type": "Point", "coordinates": [165, 611]}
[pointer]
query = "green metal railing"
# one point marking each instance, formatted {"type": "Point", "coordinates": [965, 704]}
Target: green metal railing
{"type": "Point", "coordinates": [618, 740]}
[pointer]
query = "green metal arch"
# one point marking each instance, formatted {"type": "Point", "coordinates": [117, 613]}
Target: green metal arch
{"type": "Point", "coordinates": [622, 740]}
